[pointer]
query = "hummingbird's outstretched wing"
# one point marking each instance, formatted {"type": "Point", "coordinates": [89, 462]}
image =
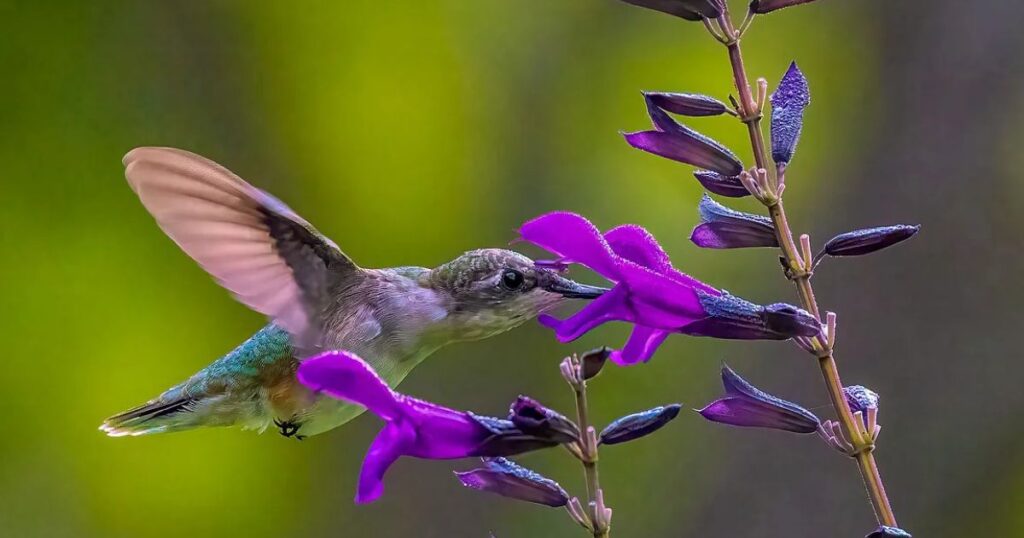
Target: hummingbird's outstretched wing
{"type": "Point", "coordinates": [252, 244]}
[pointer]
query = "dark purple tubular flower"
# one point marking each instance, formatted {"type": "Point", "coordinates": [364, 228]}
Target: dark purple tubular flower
{"type": "Point", "coordinates": [860, 398]}
{"type": "Point", "coordinates": [691, 10]}
{"type": "Point", "coordinates": [506, 478]}
{"type": "Point", "coordinates": [638, 425]}
{"type": "Point", "coordinates": [677, 142]}
{"type": "Point", "coordinates": [888, 532]}
{"type": "Point", "coordinates": [729, 186]}
{"type": "Point", "coordinates": [649, 293]}
{"type": "Point", "coordinates": [767, 6]}
{"type": "Point", "coordinates": [686, 104]}
{"type": "Point", "coordinates": [732, 318]}
{"type": "Point", "coordinates": [868, 240]}
{"type": "Point", "coordinates": [722, 227]}
{"type": "Point", "coordinates": [414, 427]}
{"type": "Point", "coordinates": [788, 103]}
{"type": "Point", "coordinates": [745, 405]}
{"type": "Point", "coordinates": [533, 418]}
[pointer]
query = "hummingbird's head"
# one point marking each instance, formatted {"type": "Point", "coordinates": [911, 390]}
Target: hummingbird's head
{"type": "Point", "coordinates": [494, 290]}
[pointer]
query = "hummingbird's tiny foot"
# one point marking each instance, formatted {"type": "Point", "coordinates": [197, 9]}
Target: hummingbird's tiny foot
{"type": "Point", "coordinates": [289, 428]}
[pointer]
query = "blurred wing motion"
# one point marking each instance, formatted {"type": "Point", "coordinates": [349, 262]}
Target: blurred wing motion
{"type": "Point", "coordinates": [270, 258]}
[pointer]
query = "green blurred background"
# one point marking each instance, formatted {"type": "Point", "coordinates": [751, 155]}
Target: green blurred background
{"type": "Point", "coordinates": [412, 131]}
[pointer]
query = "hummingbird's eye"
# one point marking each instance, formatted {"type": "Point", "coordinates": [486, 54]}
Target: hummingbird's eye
{"type": "Point", "coordinates": [512, 279]}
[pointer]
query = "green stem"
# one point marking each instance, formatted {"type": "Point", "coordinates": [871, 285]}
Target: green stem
{"type": "Point", "coordinates": [799, 271]}
{"type": "Point", "coordinates": [589, 458]}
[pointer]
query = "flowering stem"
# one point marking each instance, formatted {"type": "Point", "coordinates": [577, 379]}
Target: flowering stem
{"type": "Point", "coordinates": [799, 271]}
{"type": "Point", "coordinates": [588, 456]}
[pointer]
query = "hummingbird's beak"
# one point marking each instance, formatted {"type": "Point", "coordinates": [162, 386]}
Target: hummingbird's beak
{"type": "Point", "coordinates": [573, 290]}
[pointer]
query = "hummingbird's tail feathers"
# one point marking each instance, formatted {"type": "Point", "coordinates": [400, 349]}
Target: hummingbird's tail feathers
{"type": "Point", "coordinates": [157, 416]}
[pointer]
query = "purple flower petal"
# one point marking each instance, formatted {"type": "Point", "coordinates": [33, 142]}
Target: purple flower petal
{"type": "Point", "coordinates": [573, 238]}
{"type": "Point", "coordinates": [610, 306]}
{"type": "Point", "coordinates": [638, 425]}
{"type": "Point", "coordinates": [866, 241]}
{"type": "Point", "coordinates": [686, 104]}
{"type": "Point", "coordinates": [637, 245]}
{"type": "Point", "coordinates": [335, 374]}
{"type": "Point", "coordinates": [727, 228]}
{"type": "Point", "coordinates": [747, 406]}
{"type": "Point", "coordinates": [860, 398]}
{"type": "Point", "coordinates": [788, 103]}
{"type": "Point", "coordinates": [391, 443]}
{"type": "Point", "coordinates": [687, 146]}
{"type": "Point", "coordinates": [729, 186]}
{"type": "Point", "coordinates": [691, 10]}
{"type": "Point", "coordinates": [506, 478]}
{"type": "Point", "coordinates": [640, 347]}
{"type": "Point", "coordinates": [767, 6]}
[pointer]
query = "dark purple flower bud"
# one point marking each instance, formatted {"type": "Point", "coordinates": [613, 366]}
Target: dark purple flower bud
{"type": "Point", "coordinates": [638, 425]}
{"type": "Point", "coordinates": [788, 103]}
{"type": "Point", "coordinates": [729, 186]}
{"type": "Point", "coordinates": [767, 6]}
{"type": "Point", "coordinates": [730, 317]}
{"type": "Point", "coordinates": [506, 478]}
{"type": "Point", "coordinates": [888, 532]}
{"type": "Point", "coordinates": [675, 141]}
{"type": "Point", "coordinates": [866, 241]}
{"type": "Point", "coordinates": [686, 104]}
{"type": "Point", "coordinates": [691, 10]}
{"type": "Point", "coordinates": [534, 419]}
{"type": "Point", "coordinates": [747, 406]}
{"type": "Point", "coordinates": [860, 398]}
{"type": "Point", "coordinates": [722, 227]}
{"type": "Point", "coordinates": [593, 361]}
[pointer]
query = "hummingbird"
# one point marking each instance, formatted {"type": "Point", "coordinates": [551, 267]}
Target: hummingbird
{"type": "Point", "coordinates": [316, 299]}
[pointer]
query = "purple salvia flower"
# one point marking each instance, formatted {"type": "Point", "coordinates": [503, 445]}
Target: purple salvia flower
{"type": "Point", "coordinates": [767, 6]}
{"type": "Point", "coordinates": [888, 532]}
{"type": "Point", "coordinates": [860, 398]}
{"type": "Point", "coordinates": [413, 427]}
{"type": "Point", "coordinates": [691, 10]}
{"type": "Point", "coordinates": [686, 104]}
{"type": "Point", "coordinates": [868, 240]}
{"type": "Point", "coordinates": [649, 293]}
{"type": "Point", "coordinates": [745, 405]}
{"type": "Point", "coordinates": [722, 227]}
{"type": "Point", "coordinates": [729, 186]}
{"type": "Point", "coordinates": [638, 425]}
{"type": "Point", "coordinates": [788, 103]}
{"type": "Point", "coordinates": [674, 141]}
{"type": "Point", "coordinates": [506, 478]}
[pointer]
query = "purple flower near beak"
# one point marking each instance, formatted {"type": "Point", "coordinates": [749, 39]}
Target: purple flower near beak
{"type": "Point", "coordinates": [745, 405]}
{"type": "Point", "coordinates": [788, 104]}
{"type": "Point", "coordinates": [417, 428]}
{"type": "Point", "coordinates": [506, 478]}
{"type": "Point", "coordinates": [651, 294]}
{"type": "Point", "coordinates": [722, 227]}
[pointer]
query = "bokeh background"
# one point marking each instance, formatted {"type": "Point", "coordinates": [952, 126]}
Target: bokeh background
{"type": "Point", "coordinates": [412, 131]}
